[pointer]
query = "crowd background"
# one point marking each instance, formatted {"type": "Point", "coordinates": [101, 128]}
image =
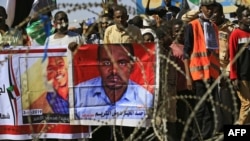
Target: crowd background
{"type": "Point", "coordinates": [165, 25]}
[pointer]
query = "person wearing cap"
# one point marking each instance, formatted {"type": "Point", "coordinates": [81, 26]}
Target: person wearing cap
{"type": "Point", "coordinates": [225, 26]}
{"type": "Point", "coordinates": [201, 46]}
{"type": "Point", "coordinates": [149, 35]}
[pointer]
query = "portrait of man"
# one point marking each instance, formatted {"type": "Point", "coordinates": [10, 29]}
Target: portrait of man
{"type": "Point", "coordinates": [54, 99]}
{"type": "Point", "coordinates": [57, 76]}
{"type": "Point", "coordinates": [113, 87]}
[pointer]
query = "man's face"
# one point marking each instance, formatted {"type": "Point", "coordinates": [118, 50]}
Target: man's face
{"type": "Point", "coordinates": [104, 22]}
{"type": "Point", "coordinates": [217, 16]}
{"type": "Point", "coordinates": [115, 69]}
{"type": "Point", "coordinates": [208, 10]}
{"type": "Point", "coordinates": [148, 38]}
{"type": "Point", "coordinates": [120, 19]}
{"type": "Point", "coordinates": [245, 17]}
{"type": "Point", "coordinates": [176, 31]}
{"type": "Point", "coordinates": [57, 72]}
{"type": "Point", "coordinates": [61, 23]}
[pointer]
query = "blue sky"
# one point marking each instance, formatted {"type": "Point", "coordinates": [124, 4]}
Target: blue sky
{"type": "Point", "coordinates": [79, 15]}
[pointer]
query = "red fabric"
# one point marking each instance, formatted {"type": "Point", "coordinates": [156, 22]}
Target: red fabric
{"type": "Point", "coordinates": [38, 128]}
{"type": "Point", "coordinates": [85, 64]}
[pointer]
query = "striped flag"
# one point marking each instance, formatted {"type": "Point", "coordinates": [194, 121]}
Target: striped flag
{"type": "Point", "coordinates": [19, 10]}
{"type": "Point", "coordinates": [193, 4]}
{"type": "Point", "coordinates": [229, 6]}
{"type": "Point", "coordinates": [11, 92]}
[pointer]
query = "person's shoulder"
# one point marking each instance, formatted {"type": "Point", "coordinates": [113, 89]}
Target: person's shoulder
{"type": "Point", "coordinates": [51, 35]}
{"type": "Point", "coordinates": [190, 15]}
{"type": "Point", "coordinates": [236, 30]}
{"type": "Point", "coordinates": [196, 20]}
{"type": "Point", "coordinates": [136, 31]}
{"type": "Point", "coordinates": [230, 24]}
{"type": "Point", "coordinates": [72, 33]}
{"type": "Point", "coordinates": [237, 33]}
{"type": "Point", "coordinates": [133, 27]}
{"type": "Point", "coordinates": [111, 27]}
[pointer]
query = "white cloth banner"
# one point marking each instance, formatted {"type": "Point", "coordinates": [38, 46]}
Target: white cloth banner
{"type": "Point", "coordinates": [26, 111]}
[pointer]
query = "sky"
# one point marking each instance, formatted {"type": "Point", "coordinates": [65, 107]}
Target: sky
{"type": "Point", "coordinates": [79, 15]}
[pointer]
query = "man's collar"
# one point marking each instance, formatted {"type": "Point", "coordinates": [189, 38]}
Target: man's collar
{"type": "Point", "coordinates": [117, 29]}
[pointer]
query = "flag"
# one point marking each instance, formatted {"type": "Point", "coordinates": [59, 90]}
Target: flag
{"type": "Point", "coordinates": [193, 4]}
{"type": "Point", "coordinates": [176, 3]}
{"type": "Point", "coordinates": [228, 5]}
{"type": "Point", "coordinates": [141, 5]}
{"type": "Point", "coordinates": [19, 10]}
{"type": "Point", "coordinates": [11, 92]}
{"type": "Point", "coordinates": [43, 6]}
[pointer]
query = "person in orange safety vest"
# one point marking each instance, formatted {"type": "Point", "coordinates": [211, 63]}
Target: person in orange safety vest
{"type": "Point", "coordinates": [201, 59]}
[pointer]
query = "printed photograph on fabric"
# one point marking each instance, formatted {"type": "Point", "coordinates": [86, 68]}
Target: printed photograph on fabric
{"type": "Point", "coordinates": [44, 88]}
{"type": "Point", "coordinates": [115, 83]}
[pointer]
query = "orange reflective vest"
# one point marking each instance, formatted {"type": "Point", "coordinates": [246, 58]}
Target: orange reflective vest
{"type": "Point", "coordinates": [204, 63]}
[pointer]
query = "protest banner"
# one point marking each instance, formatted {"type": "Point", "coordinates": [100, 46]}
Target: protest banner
{"type": "Point", "coordinates": [113, 84]}
{"type": "Point", "coordinates": [31, 107]}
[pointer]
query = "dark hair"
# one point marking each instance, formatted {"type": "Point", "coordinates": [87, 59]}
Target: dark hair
{"type": "Point", "coordinates": [3, 12]}
{"type": "Point", "coordinates": [175, 10]}
{"type": "Point", "coordinates": [219, 6]}
{"type": "Point", "coordinates": [177, 22]}
{"type": "Point", "coordinates": [164, 29]}
{"type": "Point", "coordinates": [161, 11]}
{"type": "Point", "coordinates": [180, 34]}
{"type": "Point", "coordinates": [61, 12]}
{"type": "Point", "coordinates": [137, 21]}
{"type": "Point", "coordinates": [120, 8]}
{"type": "Point", "coordinates": [106, 15]}
{"type": "Point", "coordinates": [239, 11]}
{"type": "Point", "coordinates": [129, 46]}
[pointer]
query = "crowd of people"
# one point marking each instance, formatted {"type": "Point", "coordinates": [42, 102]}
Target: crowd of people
{"type": "Point", "coordinates": [210, 54]}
